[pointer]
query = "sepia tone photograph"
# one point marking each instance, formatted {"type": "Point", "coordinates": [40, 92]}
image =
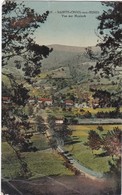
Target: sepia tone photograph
{"type": "Point", "coordinates": [61, 97]}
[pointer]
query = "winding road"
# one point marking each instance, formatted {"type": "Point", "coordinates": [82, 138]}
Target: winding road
{"type": "Point", "coordinates": [50, 133]}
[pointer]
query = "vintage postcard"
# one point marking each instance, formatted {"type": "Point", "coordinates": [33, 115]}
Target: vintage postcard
{"type": "Point", "coordinates": [61, 97]}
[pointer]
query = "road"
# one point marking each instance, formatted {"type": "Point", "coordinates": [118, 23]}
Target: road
{"type": "Point", "coordinates": [50, 133]}
{"type": "Point", "coordinates": [99, 121]}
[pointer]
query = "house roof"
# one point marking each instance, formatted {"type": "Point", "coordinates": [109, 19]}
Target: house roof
{"type": "Point", "coordinates": [45, 99]}
{"type": "Point", "coordinates": [68, 102]}
{"type": "Point", "coordinates": [6, 98]}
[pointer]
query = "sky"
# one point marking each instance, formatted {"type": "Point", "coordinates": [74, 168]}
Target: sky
{"type": "Point", "coordinates": [76, 30]}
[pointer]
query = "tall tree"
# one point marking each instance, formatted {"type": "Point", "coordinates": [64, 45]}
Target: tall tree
{"type": "Point", "coordinates": [110, 35]}
{"type": "Point", "coordinates": [19, 49]}
{"type": "Point", "coordinates": [108, 63]}
{"type": "Point", "coordinates": [112, 142]}
{"type": "Point", "coordinates": [94, 140]}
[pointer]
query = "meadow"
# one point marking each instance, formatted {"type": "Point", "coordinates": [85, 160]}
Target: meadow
{"type": "Point", "coordinates": [82, 130]}
{"type": "Point", "coordinates": [75, 112]}
{"type": "Point", "coordinates": [44, 162]}
{"type": "Point", "coordinates": [83, 153]}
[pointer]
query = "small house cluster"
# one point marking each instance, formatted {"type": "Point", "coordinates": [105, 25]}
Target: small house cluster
{"type": "Point", "coordinates": [6, 100]}
{"type": "Point", "coordinates": [68, 103]}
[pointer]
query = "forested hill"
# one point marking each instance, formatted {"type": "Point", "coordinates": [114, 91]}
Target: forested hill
{"type": "Point", "coordinates": [63, 56]}
{"type": "Point", "coordinates": [69, 63]}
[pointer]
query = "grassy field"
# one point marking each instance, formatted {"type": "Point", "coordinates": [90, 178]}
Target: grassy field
{"type": "Point", "coordinates": [40, 142]}
{"type": "Point", "coordinates": [47, 162]}
{"type": "Point", "coordinates": [83, 153]}
{"type": "Point", "coordinates": [41, 163]}
{"type": "Point", "coordinates": [57, 112]}
{"type": "Point", "coordinates": [82, 130]}
{"type": "Point", "coordinates": [94, 111]}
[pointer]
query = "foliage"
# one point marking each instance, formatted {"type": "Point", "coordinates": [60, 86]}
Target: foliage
{"type": "Point", "coordinates": [109, 142]}
{"type": "Point", "coordinates": [17, 37]}
{"type": "Point", "coordinates": [100, 128]}
{"type": "Point", "coordinates": [51, 121]}
{"type": "Point", "coordinates": [87, 114]}
{"type": "Point", "coordinates": [115, 171]}
{"type": "Point", "coordinates": [53, 143]}
{"type": "Point", "coordinates": [64, 132]}
{"type": "Point", "coordinates": [111, 114]}
{"type": "Point", "coordinates": [41, 127]}
{"type": "Point", "coordinates": [112, 142]}
{"type": "Point", "coordinates": [108, 62]}
{"type": "Point", "coordinates": [94, 140]}
{"type": "Point", "coordinates": [41, 163]}
{"type": "Point", "coordinates": [18, 26]}
{"type": "Point", "coordinates": [110, 34]}
{"type": "Point", "coordinates": [107, 99]}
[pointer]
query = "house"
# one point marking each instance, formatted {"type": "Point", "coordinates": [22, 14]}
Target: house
{"type": "Point", "coordinates": [6, 100]}
{"type": "Point", "coordinates": [59, 121]}
{"type": "Point", "coordinates": [31, 100]}
{"type": "Point", "coordinates": [69, 103]}
{"type": "Point", "coordinates": [46, 101]}
{"type": "Point", "coordinates": [82, 105]}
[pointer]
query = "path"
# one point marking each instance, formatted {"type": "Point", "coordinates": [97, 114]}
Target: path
{"type": "Point", "coordinates": [50, 133]}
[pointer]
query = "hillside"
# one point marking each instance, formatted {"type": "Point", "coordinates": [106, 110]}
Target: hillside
{"type": "Point", "coordinates": [65, 67]}
{"type": "Point", "coordinates": [63, 56]}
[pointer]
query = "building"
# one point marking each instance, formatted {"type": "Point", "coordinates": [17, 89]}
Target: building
{"type": "Point", "coordinates": [45, 101]}
{"type": "Point", "coordinates": [31, 100]}
{"type": "Point", "coordinates": [59, 121]}
{"type": "Point", "coordinates": [6, 100]}
{"type": "Point", "coordinates": [69, 103]}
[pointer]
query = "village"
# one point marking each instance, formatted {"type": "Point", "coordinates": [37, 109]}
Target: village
{"type": "Point", "coordinates": [84, 102]}
{"type": "Point", "coordinates": [61, 98]}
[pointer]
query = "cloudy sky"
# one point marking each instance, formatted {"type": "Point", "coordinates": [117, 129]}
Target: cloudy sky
{"type": "Point", "coordinates": [69, 23]}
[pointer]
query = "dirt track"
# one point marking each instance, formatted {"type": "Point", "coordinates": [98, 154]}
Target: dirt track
{"type": "Point", "coordinates": [59, 185]}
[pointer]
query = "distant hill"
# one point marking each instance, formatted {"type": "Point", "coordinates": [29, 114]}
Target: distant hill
{"type": "Point", "coordinates": [66, 66]}
{"type": "Point", "coordinates": [63, 56]}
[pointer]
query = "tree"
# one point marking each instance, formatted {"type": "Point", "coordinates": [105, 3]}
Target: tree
{"type": "Point", "coordinates": [51, 121]}
{"type": "Point", "coordinates": [108, 62]}
{"type": "Point", "coordinates": [100, 128]}
{"type": "Point", "coordinates": [115, 172]}
{"type": "Point", "coordinates": [94, 140]}
{"type": "Point", "coordinates": [110, 35]}
{"type": "Point", "coordinates": [112, 145]}
{"type": "Point", "coordinates": [30, 109]}
{"type": "Point", "coordinates": [104, 97]}
{"type": "Point", "coordinates": [41, 127]}
{"type": "Point", "coordinates": [112, 142]}
{"type": "Point", "coordinates": [19, 49]}
{"type": "Point", "coordinates": [64, 131]}
{"type": "Point", "coordinates": [53, 143]}
{"type": "Point", "coordinates": [109, 142]}
{"type": "Point", "coordinates": [17, 37]}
